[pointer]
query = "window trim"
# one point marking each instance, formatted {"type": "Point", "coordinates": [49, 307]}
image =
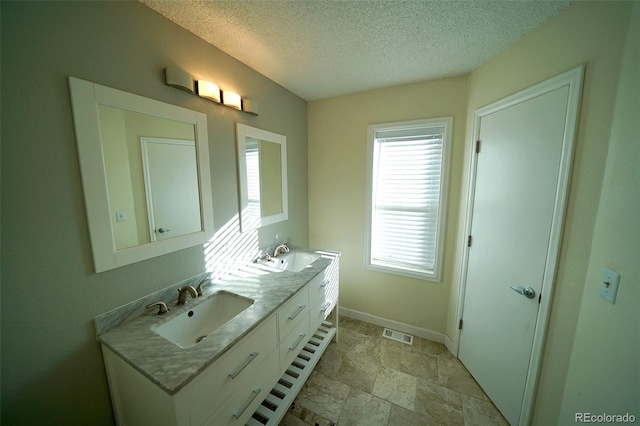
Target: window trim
{"type": "Point", "coordinates": [389, 267]}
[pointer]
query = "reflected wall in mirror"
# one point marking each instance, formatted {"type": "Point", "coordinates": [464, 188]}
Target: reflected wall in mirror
{"type": "Point", "coordinates": [145, 174]}
{"type": "Point", "coordinates": [262, 165]}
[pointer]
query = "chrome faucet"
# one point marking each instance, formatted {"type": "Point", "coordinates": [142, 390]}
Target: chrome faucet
{"type": "Point", "coordinates": [281, 247]}
{"type": "Point", "coordinates": [199, 286]}
{"type": "Point", "coordinates": [182, 296]}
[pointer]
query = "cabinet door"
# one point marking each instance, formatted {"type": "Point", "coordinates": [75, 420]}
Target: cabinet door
{"type": "Point", "coordinates": [317, 289]}
{"type": "Point", "coordinates": [317, 314]}
{"type": "Point", "coordinates": [208, 393]}
{"type": "Point", "coordinates": [290, 315]}
{"type": "Point", "coordinates": [253, 391]}
{"type": "Point", "coordinates": [294, 342]}
{"type": "Point", "coordinates": [325, 286]}
{"type": "Point", "coordinates": [136, 400]}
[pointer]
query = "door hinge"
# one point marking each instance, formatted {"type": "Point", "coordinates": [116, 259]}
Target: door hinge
{"type": "Point", "coordinates": [477, 147]}
{"type": "Point", "coordinates": [460, 324]}
{"type": "Point", "coordinates": [469, 241]}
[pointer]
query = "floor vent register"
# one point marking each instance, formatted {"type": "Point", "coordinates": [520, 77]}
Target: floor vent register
{"type": "Point", "coordinates": [397, 336]}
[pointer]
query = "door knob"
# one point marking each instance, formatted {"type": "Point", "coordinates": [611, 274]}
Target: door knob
{"type": "Point", "coordinates": [527, 292]}
{"type": "Point", "coordinates": [163, 230]}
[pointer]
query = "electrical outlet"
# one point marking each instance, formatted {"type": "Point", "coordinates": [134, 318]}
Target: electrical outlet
{"type": "Point", "coordinates": [609, 285]}
{"type": "Point", "coordinates": [121, 216]}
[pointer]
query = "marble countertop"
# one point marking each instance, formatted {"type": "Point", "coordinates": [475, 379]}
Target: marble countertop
{"type": "Point", "coordinates": [171, 367]}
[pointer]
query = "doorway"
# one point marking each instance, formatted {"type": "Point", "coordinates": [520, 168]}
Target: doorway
{"type": "Point", "coordinates": [171, 187]}
{"type": "Point", "coordinates": [515, 209]}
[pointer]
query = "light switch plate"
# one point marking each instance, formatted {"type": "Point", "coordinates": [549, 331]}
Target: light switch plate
{"type": "Point", "coordinates": [609, 285]}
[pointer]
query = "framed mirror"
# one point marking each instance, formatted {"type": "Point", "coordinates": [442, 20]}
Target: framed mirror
{"type": "Point", "coordinates": [262, 168]}
{"type": "Point", "coordinates": [145, 174]}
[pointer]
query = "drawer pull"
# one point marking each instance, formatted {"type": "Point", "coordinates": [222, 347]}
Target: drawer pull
{"type": "Point", "coordinates": [324, 283]}
{"type": "Point", "coordinates": [238, 370]}
{"type": "Point", "coordinates": [300, 338]}
{"type": "Point", "coordinates": [295, 314]}
{"type": "Point", "coordinates": [326, 306]}
{"type": "Point", "coordinates": [246, 405]}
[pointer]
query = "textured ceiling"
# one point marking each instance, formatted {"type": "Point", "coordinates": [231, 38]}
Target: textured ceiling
{"type": "Point", "coordinates": [323, 48]}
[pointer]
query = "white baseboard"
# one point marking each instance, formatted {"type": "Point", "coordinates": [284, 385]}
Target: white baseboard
{"type": "Point", "coordinates": [395, 325]}
{"type": "Point", "coordinates": [450, 345]}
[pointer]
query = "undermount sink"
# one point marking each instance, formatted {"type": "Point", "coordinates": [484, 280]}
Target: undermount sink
{"type": "Point", "coordinates": [194, 325]}
{"type": "Point", "coordinates": [294, 261]}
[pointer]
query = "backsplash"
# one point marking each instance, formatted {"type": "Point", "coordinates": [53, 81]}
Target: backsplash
{"type": "Point", "coordinates": [129, 311]}
{"type": "Point", "coordinates": [124, 313]}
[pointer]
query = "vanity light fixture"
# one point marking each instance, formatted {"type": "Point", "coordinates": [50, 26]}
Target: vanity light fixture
{"type": "Point", "coordinates": [231, 99]}
{"type": "Point", "coordinates": [178, 78]}
{"type": "Point", "coordinates": [209, 90]}
{"type": "Point", "coordinates": [250, 107]}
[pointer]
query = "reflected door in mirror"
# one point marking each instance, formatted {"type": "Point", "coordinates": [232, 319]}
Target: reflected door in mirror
{"type": "Point", "coordinates": [128, 183]}
{"type": "Point", "coordinates": [171, 185]}
{"type": "Point", "coordinates": [135, 213]}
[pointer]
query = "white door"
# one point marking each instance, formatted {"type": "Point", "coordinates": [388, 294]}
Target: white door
{"type": "Point", "coordinates": [171, 184]}
{"type": "Point", "coordinates": [515, 215]}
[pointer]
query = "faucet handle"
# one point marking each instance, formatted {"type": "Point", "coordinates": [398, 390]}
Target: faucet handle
{"type": "Point", "coordinates": [262, 256]}
{"type": "Point", "coordinates": [163, 309]}
{"type": "Point", "coordinates": [199, 286]}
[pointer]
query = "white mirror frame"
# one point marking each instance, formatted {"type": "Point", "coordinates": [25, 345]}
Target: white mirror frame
{"type": "Point", "coordinates": [243, 131]}
{"type": "Point", "coordinates": [85, 98]}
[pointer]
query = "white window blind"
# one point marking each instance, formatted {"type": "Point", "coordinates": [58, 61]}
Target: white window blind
{"type": "Point", "coordinates": [406, 192]}
{"type": "Point", "coordinates": [252, 153]}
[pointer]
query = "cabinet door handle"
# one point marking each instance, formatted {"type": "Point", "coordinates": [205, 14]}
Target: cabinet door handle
{"type": "Point", "coordinates": [295, 314]}
{"type": "Point", "coordinates": [300, 337]}
{"type": "Point", "coordinates": [247, 403]}
{"type": "Point", "coordinates": [326, 306]}
{"type": "Point", "coordinates": [242, 366]}
{"type": "Point", "coordinates": [324, 283]}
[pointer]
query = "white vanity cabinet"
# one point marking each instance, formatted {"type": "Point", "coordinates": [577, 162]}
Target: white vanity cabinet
{"type": "Point", "coordinates": [138, 401]}
{"type": "Point", "coordinates": [252, 383]}
{"type": "Point", "coordinates": [299, 353]}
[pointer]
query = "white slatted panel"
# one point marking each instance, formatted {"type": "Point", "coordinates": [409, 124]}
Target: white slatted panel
{"type": "Point", "coordinates": [276, 404]}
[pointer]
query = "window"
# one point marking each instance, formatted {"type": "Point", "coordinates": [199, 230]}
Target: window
{"type": "Point", "coordinates": [252, 153]}
{"type": "Point", "coordinates": [406, 197]}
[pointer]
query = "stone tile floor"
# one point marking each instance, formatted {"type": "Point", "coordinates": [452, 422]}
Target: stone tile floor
{"type": "Point", "coordinates": [366, 379]}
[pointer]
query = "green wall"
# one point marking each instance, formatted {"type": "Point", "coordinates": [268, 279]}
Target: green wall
{"type": "Point", "coordinates": [52, 370]}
